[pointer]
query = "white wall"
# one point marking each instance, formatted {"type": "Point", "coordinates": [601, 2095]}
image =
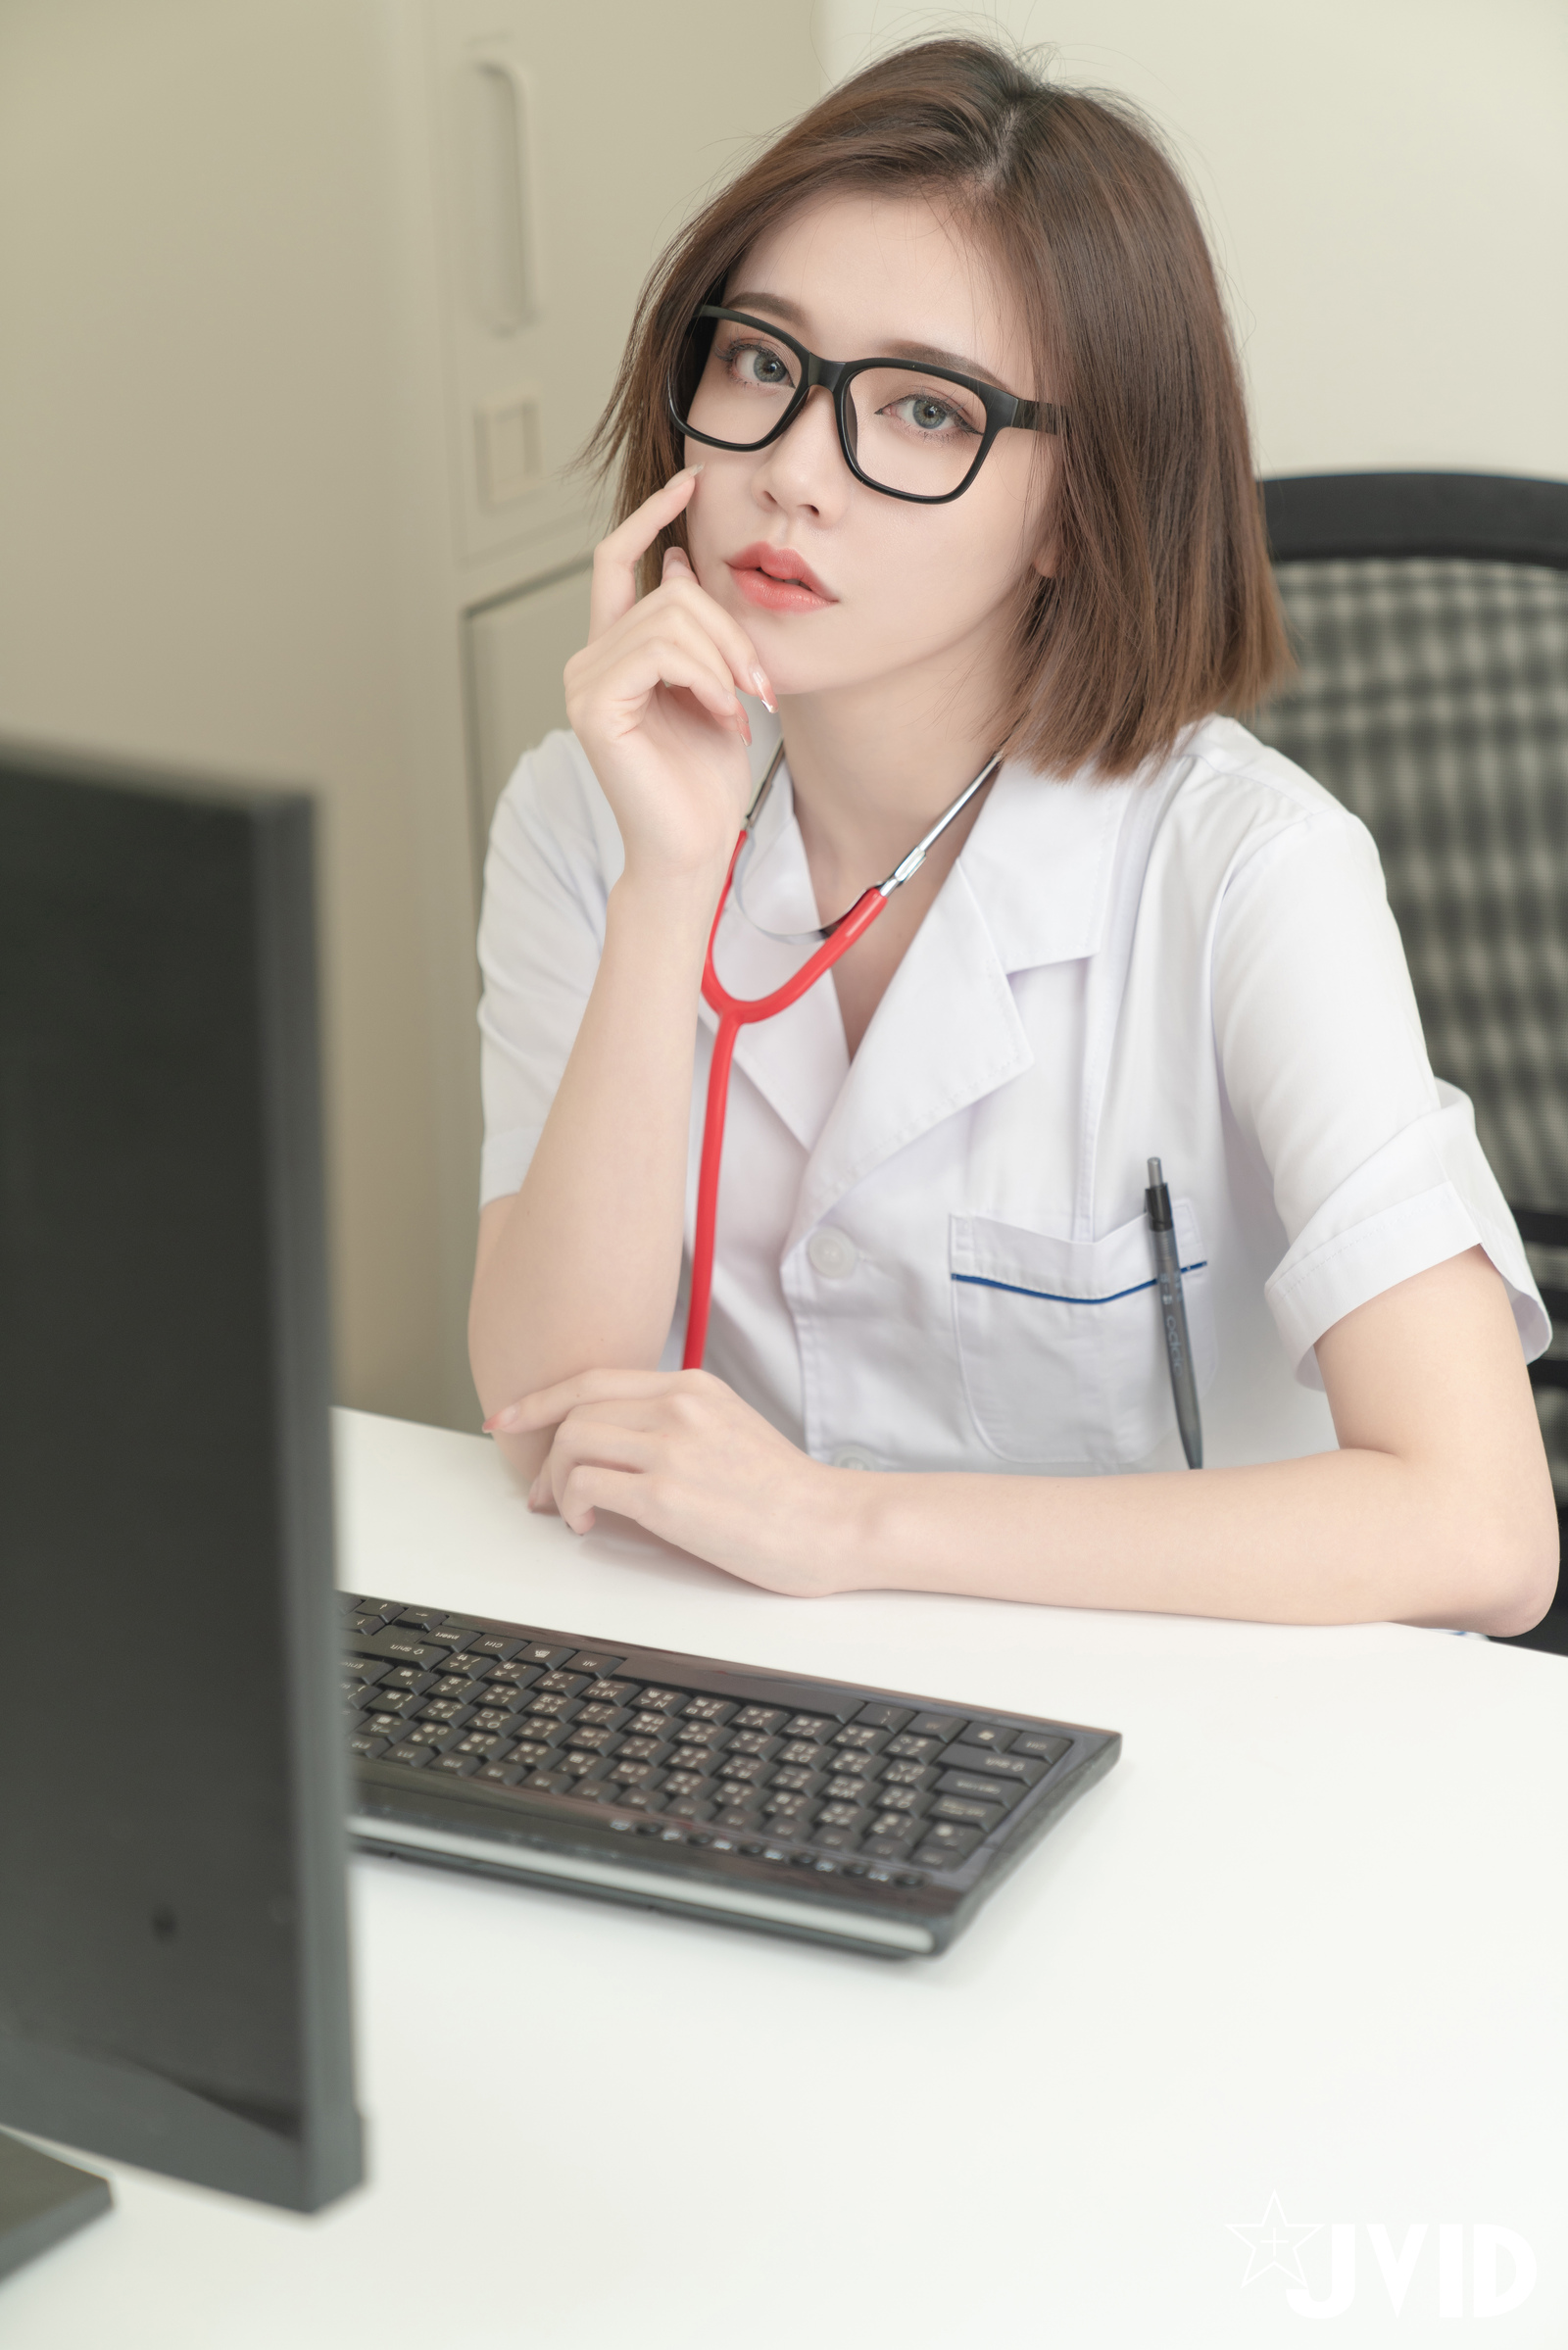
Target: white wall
{"type": "Point", "coordinates": [1386, 184]}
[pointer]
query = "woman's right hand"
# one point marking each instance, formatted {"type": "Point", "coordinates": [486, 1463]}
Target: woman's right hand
{"type": "Point", "coordinates": [653, 699]}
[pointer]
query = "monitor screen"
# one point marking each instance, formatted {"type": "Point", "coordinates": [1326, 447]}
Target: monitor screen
{"type": "Point", "coordinates": [173, 1955]}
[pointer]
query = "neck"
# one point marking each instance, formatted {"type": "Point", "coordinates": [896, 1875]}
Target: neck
{"type": "Point", "coordinates": [873, 766]}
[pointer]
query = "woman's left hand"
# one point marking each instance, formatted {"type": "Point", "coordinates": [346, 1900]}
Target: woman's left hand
{"type": "Point", "coordinates": [679, 1452]}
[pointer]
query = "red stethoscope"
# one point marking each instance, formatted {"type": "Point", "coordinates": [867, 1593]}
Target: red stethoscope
{"type": "Point", "coordinates": [736, 1012]}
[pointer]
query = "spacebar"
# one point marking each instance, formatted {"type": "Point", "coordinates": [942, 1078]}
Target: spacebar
{"type": "Point", "coordinates": [750, 1687]}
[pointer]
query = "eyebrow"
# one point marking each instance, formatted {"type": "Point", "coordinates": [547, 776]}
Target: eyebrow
{"type": "Point", "coordinates": [923, 354]}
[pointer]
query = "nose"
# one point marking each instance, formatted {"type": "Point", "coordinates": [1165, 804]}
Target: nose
{"type": "Point", "coordinates": [804, 470]}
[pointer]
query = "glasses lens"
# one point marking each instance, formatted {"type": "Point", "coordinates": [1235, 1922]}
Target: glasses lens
{"type": "Point", "coordinates": [914, 431]}
{"type": "Point", "coordinates": [734, 382]}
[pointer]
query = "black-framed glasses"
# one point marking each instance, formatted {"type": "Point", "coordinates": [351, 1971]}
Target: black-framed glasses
{"type": "Point", "coordinates": [907, 429]}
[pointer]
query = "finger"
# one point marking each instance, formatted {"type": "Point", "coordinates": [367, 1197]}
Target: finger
{"type": "Point", "coordinates": [590, 1489]}
{"type": "Point", "coordinates": [671, 649]}
{"type": "Point", "coordinates": [746, 667]}
{"type": "Point", "coordinates": [617, 557]}
{"type": "Point", "coordinates": [547, 1407]}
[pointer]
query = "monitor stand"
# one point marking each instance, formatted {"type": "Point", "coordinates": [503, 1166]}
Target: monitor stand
{"type": "Point", "coordinates": [42, 2200]}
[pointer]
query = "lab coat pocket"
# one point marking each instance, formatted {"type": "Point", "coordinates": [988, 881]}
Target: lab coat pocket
{"type": "Point", "coordinates": [1063, 1357]}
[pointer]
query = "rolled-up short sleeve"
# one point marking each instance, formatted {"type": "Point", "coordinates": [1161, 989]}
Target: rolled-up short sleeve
{"type": "Point", "coordinates": [1376, 1167]}
{"type": "Point", "coordinates": [554, 855]}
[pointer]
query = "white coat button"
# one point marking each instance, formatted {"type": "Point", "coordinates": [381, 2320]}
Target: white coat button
{"type": "Point", "coordinates": [851, 1457]}
{"type": "Point", "coordinates": [832, 1254]}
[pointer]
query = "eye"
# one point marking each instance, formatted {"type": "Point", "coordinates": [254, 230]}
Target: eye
{"type": "Point", "coordinates": [760, 364]}
{"type": "Point", "coordinates": [928, 415]}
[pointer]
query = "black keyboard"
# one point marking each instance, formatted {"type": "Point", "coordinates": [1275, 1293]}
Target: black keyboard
{"type": "Point", "coordinates": [728, 1791]}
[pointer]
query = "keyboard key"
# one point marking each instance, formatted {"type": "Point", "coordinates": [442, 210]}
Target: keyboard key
{"type": "Point", "coordinates": [748, 1768]}
{"type": "Point", "coordinates": [849, 1791]}
{"type": "Point", "coordinates": [758, 1742]}
{"type": "Point", "coordinates": [884, 1717]}
{"type": "Point", "coordinates": [530, 1755]}
{"type": "Point", "coordinates": [712, 1709]}
{"type": "Point", "coordinates": [502, 1774]}
{"type": "Point", "coordinates": [366, 1747]}
{"type": "Point", "coordinates": [880, 1846]}
{"type": "Point", "coordinates": [589, 1736]}
{"type": "Point", "coordinates": [979, 1789]}
{"type": "Point", "coordinates": [685, 1807]}
{"type": "Point", "coordinates": [909, 1774]}
{"type": "Point", "coordinates": [735, 1815]}
{"type": "Point", "coordinates": [661, 1701]}
{"type": "Point", "coordinates": [907, 1799]}
{"type": "Point", "coordinates": [989, 1735]}
{"type": "Point", "coordinates": [563, 1685]}
{"type": "Point", "coordinates": [787, 1805]}
{"type": "Point", "coordinates": [577, 1765]}
{"type": "Point", "coordinates": [687, 1783]}
{"type": "Point", "coordinates": [894, 1823]}
{"type": "Point", "coordinates": [501, 1647]}
{"type": "Point", "coordinates": [609, 1693]}
{"type": "Point", "coordinates": [381, 1725]}
{"type": "Point", "coordinates": [444, 1709]}
{"type": "Point", "coordinates": [536, 1653]}
{"type": "Point", "coordinates": [437, 1736]}
{"type": "Point", "coordinates": [635, 1773]}
{"type": "Point", "coordinates": [843, 1815]}
{"type": "Point", "coordinates": [366, 1669]}
{"type": "Point", "coordinates": [509, 1671]}
{"type": "Point", "coordinates": [860, 1738]}
{"type": "Point", "coordinates": [406, 1677]}
{"type": "Point", "coordinates": [1041, 1745]}
{"type": "Point", "coordinates": [766, 1718]}
{"type": "Point", "coordinates": [456, 1766]}
{"type": "Point", "coordinates": [397, 1701]}
{"type": "Point", "coordinates": [594, 1663]}
{"type": "Point", "coordinates": [947, 1843]}
{"type": "Point", "coordinates": [424, 1618]}
{"type": "Point", "coordinates": [550, 1708]}
{"type": "Point", "coordinates": [491, 1717]}
{"type": "Point", "coordinates": [415, 1756]}
{"type": "Point", "coordinates": [452, 1685]}
{"type": "Point", "coordinates": [542, 1728]}
{"type": "Point", "coordinates": [966, 1814]}
{"type": "Point", "coordinates": [809, 1725]}
{"type": "Point", "coordinates": [907, 1747]}
{"type": "Point", "coordinates": [836, 1840]}
{"type": "Point", "coordinates": [483, 1744]}
{"type": "Point", "coordinates": [397, 1647]}
{"type": "Point", "coordinates": [940, 1726]}
{"type": "Point", "coordinates": [1020, 1767]}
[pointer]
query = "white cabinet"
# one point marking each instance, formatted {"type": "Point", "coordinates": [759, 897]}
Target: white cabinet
{"type": "Point", "coordinates": [516, 651]}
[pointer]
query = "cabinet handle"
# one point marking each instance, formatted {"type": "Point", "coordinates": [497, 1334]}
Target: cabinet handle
{"type": "Point", "coordinates": [506, 261]}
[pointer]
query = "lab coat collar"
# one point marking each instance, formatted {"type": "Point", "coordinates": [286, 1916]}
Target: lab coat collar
{"type": "Point", "coordinates": [1031, 887]}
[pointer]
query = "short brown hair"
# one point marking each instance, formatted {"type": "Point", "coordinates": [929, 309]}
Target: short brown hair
{"type": "Point", "coordinates": [1165, 608]}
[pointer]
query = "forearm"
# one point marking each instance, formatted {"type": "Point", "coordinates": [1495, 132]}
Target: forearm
{"type": "Point", "coordinates": [585, 1264]}
{"type": "Point", "coordinates": [1347, 1536]}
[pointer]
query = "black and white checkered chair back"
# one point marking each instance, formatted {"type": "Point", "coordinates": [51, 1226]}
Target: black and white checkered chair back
{"type": "Point", "coordinates": [1430, 618]}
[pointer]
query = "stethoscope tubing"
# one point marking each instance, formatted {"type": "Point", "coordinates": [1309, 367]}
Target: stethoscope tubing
{"type": "Point", "coordinates": [736, 1012]}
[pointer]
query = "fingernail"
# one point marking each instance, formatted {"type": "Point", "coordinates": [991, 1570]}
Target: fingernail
{"type": "Point", "coordinates": [501, 1420]}
{"type": "Point", "coordinates": [690, 473]}
{"type": "Point", "coordinates": [765, 690]}
{"type": "Point", "coordinates": [533, 1490]}
{"type": "Point", "coordinates": [743, 721]}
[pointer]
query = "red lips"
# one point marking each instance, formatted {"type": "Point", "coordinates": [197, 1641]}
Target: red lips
{"type": "Point", "coordinates": [779, 580]}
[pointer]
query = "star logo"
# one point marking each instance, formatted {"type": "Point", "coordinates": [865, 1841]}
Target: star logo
{"type": "Point", "coordinates": [1275, 2242]}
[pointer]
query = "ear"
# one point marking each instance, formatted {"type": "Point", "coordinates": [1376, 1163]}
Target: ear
{"type": "Point", "coordinates": [1046, 558]}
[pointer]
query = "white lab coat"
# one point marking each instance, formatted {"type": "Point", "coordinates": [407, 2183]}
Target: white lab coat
{"type": "Point", "coordinates": [937, 1256]}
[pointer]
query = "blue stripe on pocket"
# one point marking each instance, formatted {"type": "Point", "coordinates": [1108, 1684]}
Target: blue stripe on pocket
{"type": "Point", "coordinates": [979, 1281]}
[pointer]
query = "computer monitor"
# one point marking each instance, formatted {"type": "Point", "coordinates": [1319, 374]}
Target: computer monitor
{"type": "Point", "coordinates": [173, 1948]}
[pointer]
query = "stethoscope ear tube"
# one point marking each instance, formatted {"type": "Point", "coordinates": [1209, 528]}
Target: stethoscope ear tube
{"type": "Point", "coordinates": [736, 1012]}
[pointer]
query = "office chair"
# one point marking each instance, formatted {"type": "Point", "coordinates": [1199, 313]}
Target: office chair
{"type": "Point", "coordinates": [1428, 613]}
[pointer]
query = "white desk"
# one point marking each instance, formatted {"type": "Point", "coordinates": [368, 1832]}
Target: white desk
{"type": "Point", "coordinates": [1308, 1938]}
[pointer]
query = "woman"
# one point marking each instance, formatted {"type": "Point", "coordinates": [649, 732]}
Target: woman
{"type": "Point", "coordinates": [1034, 535]}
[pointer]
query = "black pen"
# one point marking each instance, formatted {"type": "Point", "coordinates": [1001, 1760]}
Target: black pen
{"type": "Point", "coordinates": [1173, 1315]}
